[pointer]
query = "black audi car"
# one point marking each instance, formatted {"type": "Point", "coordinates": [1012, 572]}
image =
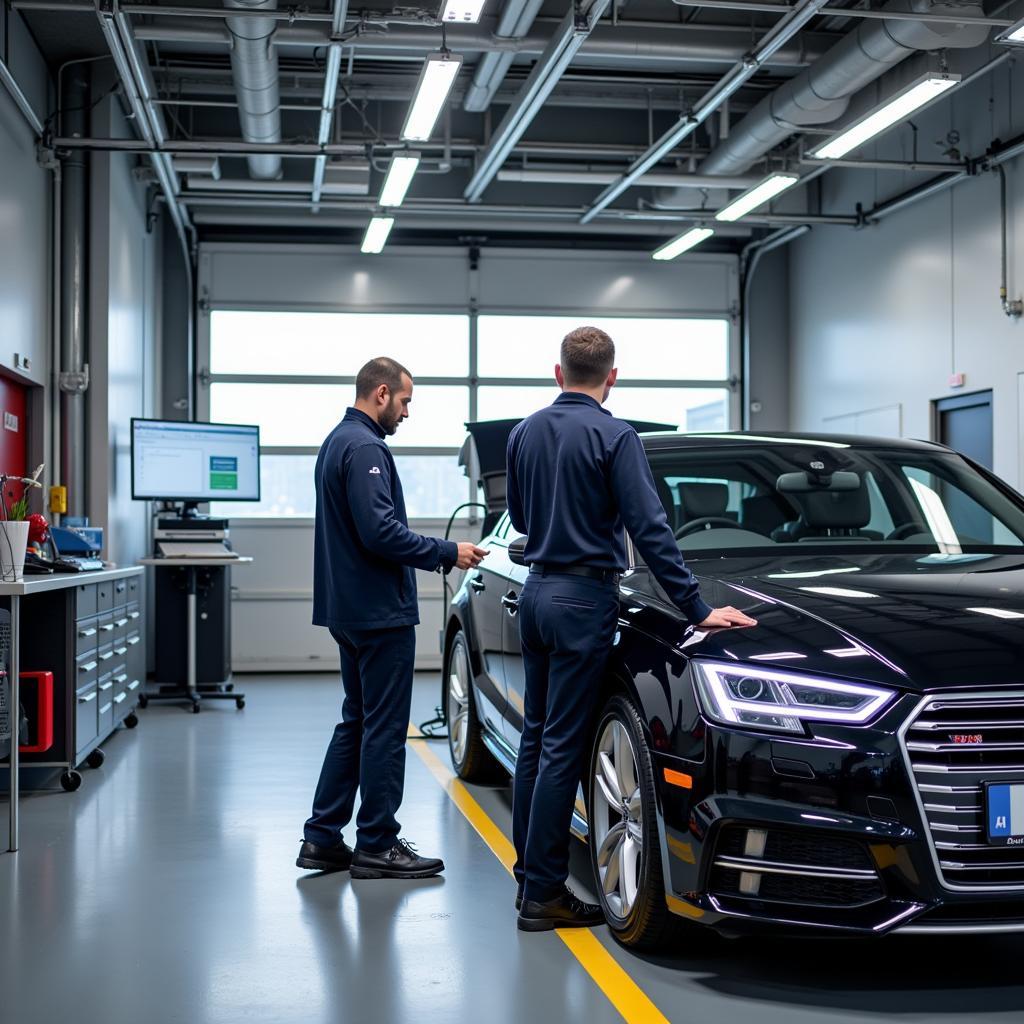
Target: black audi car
{"type": "Point", "coordinates": [854, 764]}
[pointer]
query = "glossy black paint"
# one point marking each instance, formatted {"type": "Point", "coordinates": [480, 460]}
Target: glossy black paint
{"type": "Point", "coordinates": [911, 628]}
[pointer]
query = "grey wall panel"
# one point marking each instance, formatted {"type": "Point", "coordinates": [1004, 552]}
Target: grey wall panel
{"type": "Point", "coordinates": [768, 359]}
{"type": "Point", "coordinates": [882, 316]}
{"type": "Point", "coordinates": [325, 277]}
{"type": "Point", "coordinates": [25, 197]}
{"type": "Point", "coordinates": [614, 283]}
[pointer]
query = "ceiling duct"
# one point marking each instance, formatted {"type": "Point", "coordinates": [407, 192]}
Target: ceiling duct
{"type": "Point", "coordinates": [255, 73]}
{"type": "Point", "coordinates": [822, 93]}
{"type": "Point", "coordinates": [516, 20]}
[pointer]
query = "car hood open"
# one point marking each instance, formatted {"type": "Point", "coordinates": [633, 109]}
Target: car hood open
{"type": "Point", "coordinates": [921, 622]}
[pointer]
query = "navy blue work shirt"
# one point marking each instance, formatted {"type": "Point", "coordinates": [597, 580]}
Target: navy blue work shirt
{"type": "Point", "coordinates": [364, 553]}
{"type": "Point", "coordinates": [576, 476]}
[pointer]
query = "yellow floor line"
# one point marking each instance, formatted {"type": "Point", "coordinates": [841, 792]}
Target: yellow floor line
{"type": "Point", "coordinates": [621, 990]}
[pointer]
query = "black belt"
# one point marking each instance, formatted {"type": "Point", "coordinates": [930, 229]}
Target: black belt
{"type": "Point", "coordinates": [590, 571]}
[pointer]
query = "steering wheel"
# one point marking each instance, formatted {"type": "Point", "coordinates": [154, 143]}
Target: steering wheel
{"type": "Point", "coordinates": [904, 530]}
{"type": "Point", "coordinates": [699, 524]}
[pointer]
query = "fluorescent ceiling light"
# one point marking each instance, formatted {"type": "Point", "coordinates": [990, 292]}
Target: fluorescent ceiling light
{"type": "Point", "coordinates": [436, 81]}
{"type": "Point", "coordinates": [897, 108]}
{"type": "Point", "coordinates": [682, 243]}
{"type": "Point", "coordinates": [1014, 35]}
{"type": "Point", "coordinates": [398, 179]}
{"type": "Point", "coordinates": [462, 10]}
{"type": "Point", "coordinates": [377, 232]}
{"type": "Point", "coordinates": [757, 196]}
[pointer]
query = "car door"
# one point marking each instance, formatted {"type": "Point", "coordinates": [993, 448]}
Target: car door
{"type": "Point", "coordinates": [512, 653]}
{"type": "Point", "coordinates": [486, 586]}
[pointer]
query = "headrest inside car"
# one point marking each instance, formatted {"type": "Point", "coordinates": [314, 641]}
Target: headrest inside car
{"type": "Point", "coordinates": [701, 500]}
{"type": "Point", "coordinates": [835, 510]}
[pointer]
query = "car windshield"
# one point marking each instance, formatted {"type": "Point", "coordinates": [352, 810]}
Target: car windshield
{"type": "Point", "coordinates": [732, 500]}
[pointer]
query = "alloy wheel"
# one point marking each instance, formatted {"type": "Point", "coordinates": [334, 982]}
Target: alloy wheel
{"type": "Point", "coordinates": [617, 811]}
{"type": "Point", "coordinates": [458, 703]}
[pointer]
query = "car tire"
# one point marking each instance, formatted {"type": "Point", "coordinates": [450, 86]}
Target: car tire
{"type": "Point", "coordinates": [470, 758]}
{"type": "Point", "coordinates": [625, 851]}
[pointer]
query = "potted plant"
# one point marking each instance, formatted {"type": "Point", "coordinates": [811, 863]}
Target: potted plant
{"type": "Point", "coordinates": [14, 526]}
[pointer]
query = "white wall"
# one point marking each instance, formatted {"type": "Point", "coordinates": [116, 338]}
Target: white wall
{"type": "Point", "coordinates": [273, 597]}
{"type": "Point", "coordinates": [880, 317]}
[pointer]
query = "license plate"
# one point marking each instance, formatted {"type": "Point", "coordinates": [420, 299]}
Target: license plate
{"type": "Point", "coordinates": [1004, 813]}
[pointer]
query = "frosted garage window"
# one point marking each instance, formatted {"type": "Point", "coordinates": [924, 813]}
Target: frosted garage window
{"type": "Point", "coordinates": [645, 349]}
{"type": "Point", "coordinates": [689, 409]}
{"type": "Point", "coordinates": [500, 403]}
{"type": "Point", "coordinates": [433, 485]}
{"type": "Point", "coordinates": [336, 344]}
{"type": "Point", "coordinates": [302, 415]}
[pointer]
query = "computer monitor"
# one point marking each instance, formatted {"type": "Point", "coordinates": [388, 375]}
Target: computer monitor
{"type": "Point", "coordinates": [173, 460]}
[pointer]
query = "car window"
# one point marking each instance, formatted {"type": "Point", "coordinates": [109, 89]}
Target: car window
{"type": "Point", "coordinates": [736, 498]}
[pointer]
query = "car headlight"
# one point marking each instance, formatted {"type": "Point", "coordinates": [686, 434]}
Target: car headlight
{"type": "Point", "coordinates": [781, 701]}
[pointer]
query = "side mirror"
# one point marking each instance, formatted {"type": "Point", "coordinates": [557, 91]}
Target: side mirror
{"type": "Point", "coordinates": [517, 551]}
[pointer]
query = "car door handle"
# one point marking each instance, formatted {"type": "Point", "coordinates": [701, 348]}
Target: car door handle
{"type": "Point", "coordinates": [477, 584]}
{"type": "Point", "coordinates": [511, 602]}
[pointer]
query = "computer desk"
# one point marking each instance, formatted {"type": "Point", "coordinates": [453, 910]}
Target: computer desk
{"type": "Point", "coordinates": [191, 564]}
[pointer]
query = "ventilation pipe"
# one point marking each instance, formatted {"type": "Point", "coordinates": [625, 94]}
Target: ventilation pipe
{"type": "Point", "coordinates": [255, 74]}
{"type": "Point", "coordinates": [516, 20]}
{"type": "Point", "coordinates": [822, 93]}
{"type": "Point", "coordinates": [74, 264]}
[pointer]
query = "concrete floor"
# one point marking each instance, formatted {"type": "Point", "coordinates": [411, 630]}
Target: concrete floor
{"type": "Point", "coordinates": [165, 890]}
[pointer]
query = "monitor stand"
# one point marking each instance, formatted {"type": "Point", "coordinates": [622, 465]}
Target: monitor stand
{"type": "Point", "coordinates": [190, 510]}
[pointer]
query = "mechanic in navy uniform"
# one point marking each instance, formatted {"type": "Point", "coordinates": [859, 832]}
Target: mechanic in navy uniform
{"type": "Point", "coordinates": [364, 591]}
{"type": "Point", "coordinates": [576, 477]}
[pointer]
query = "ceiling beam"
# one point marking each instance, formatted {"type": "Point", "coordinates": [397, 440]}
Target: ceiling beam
{"type": "Point", "coordinates": [564, 45]}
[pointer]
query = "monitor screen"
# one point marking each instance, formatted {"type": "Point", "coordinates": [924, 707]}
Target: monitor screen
{"type": "Point", "coordinates": [178, 461]}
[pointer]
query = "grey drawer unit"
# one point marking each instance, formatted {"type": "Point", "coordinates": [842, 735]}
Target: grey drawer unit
{"type": "Point", "coordinates": [105, 710]}
{"type": "Point", "coordinates": [91, 635]}
{"type": "Point", "coordinates": [87, 634]}
{"type": "Point", "coordinates": [86, 717]}
{"type": "Point", "coordinates": [85, 600]}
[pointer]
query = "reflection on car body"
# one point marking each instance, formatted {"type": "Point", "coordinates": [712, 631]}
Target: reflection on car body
{"type": "Point", "coordinates": [851, 765]}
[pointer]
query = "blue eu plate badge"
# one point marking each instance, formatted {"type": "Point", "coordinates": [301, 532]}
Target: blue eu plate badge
{"type": "Point", "coordinates": [1005, 810]}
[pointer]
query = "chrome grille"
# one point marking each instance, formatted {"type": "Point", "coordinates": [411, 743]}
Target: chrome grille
{"type": "Point", "coordinates": [950, 777]}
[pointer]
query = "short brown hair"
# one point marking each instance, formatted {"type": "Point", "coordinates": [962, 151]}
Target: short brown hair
{"type": "Point", "coordinates": [381, 370]}
{"type": "Point", "coordinates": [588, 355]}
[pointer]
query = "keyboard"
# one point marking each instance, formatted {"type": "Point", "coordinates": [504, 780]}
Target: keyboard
{"type": "Point", "coordinates": [76, 563]}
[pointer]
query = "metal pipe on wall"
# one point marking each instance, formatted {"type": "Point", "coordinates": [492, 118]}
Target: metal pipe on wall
{"type": "Point", "coordinates": [73, 379]}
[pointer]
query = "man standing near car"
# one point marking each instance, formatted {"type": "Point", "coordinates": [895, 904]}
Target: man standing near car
{"type": "Point", "coordinates": [364, 591]}
{"type": "Point", "coordinates": [576, 477]}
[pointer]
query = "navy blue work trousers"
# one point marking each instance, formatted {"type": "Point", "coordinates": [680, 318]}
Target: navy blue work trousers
{"type": "Point", "coordinates": [367, 751]}
{"type": "Point", "coordinates": [566, 627]}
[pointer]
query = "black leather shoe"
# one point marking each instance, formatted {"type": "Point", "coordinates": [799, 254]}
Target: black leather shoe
{"type": "Point", "coordinates": [564, 911]}
{"type": "Point", "coordinates": [324, 858]}
{"type": "Point", "coordinates": [519, 899]}
{"type": "Point", "coordinates": [401, 861]}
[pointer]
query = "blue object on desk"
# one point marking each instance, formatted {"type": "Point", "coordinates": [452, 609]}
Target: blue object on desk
{"type": "Point", "coordinates": [78, 540]}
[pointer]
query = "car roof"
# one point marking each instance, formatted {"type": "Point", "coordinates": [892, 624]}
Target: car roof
{"type": "Point", "coordinates": [732, 439]}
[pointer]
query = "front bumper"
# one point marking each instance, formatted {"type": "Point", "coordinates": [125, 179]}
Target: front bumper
{"type": "Point", "coordinates": [826, 834]}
